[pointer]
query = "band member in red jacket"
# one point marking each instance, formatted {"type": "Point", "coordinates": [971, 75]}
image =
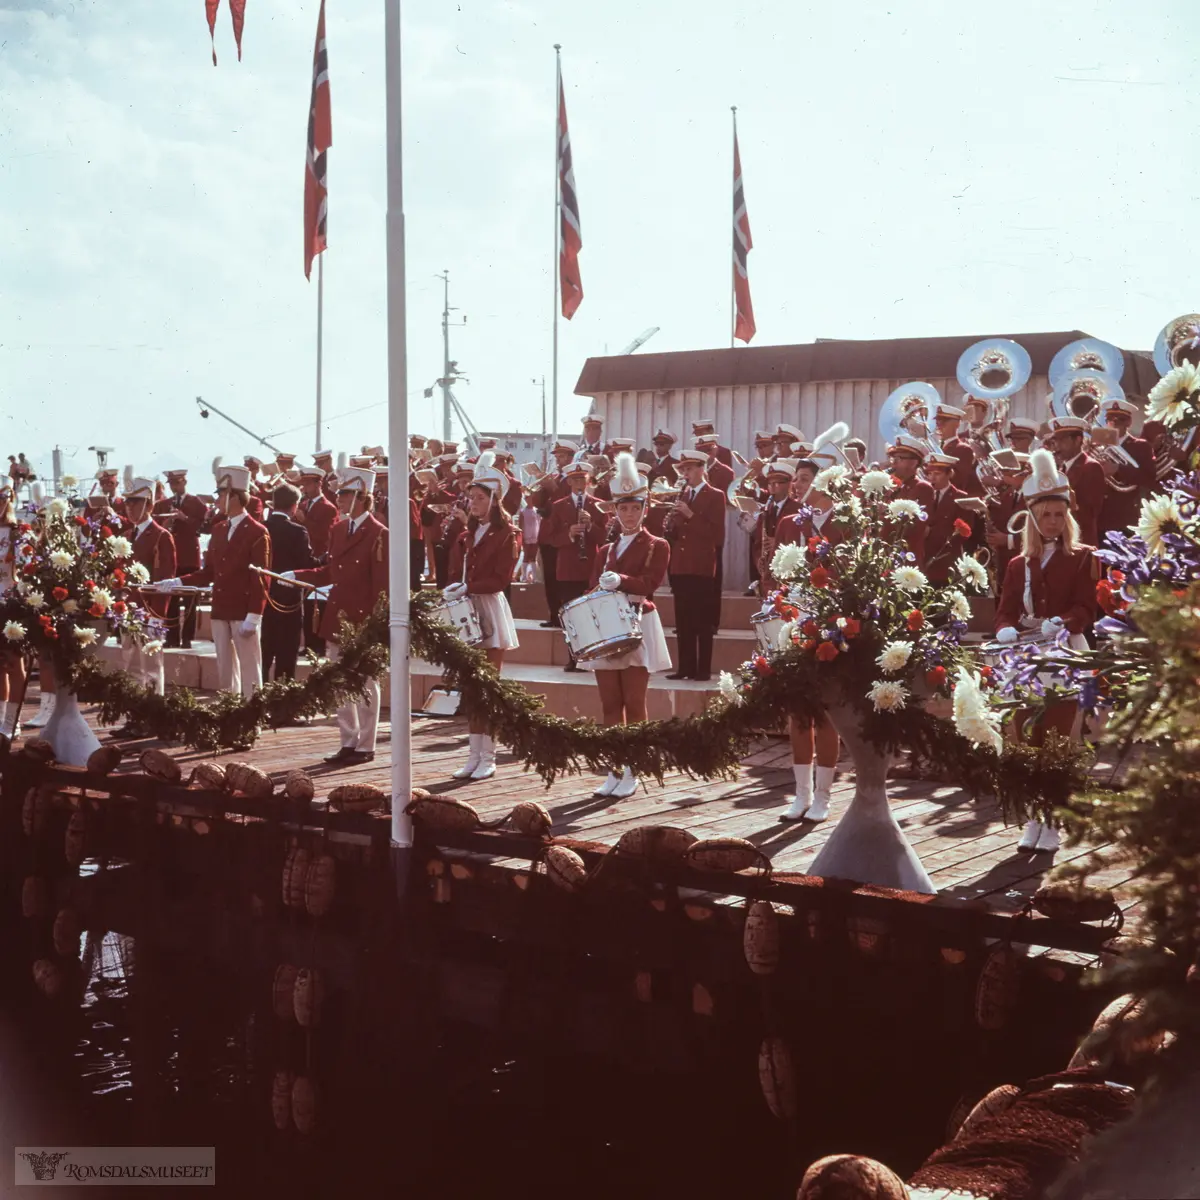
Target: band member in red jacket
{"type": "Point", "coordinates": [659, 459]}
{"type": "Point", "coordinates": [551, 487]}
{"type": "Point", "coordinates": [318, 514]}
{"type": "Point", "coordinates": [1084, 473]}
{"type": "Point", "coordinates": [481, 566]}
{"type": "Point", "coordinates": [183, 516]}
{"type": "Point", "coordinates": [1125, 486]}
{"type": "Point", "coordinates": [239, 594]}
{"type": "Point", "coordinates": [905, 458]}
{"type": "Point", "coordinates": [154, 548]}
{"type": "Point", "coordinates": [696, 530]}
{"type": "Point", "coordinates": [358, 570]}
{"type": "Point", "coordinates": [950, 530]}
{"type": "Point", "coordinates": [635, 564]}
{"type": "Point", "coordinates": [1050, 585]}
{"type": "Point", "coordinates": [774, 526]}
{"type": "Point", "coordinates": [705, 429]}
{"type": "Point", "coordinates": [948, 420]}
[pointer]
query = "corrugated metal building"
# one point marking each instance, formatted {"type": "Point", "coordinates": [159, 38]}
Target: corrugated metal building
{"type": "Point", "coordinates": [811, 385]}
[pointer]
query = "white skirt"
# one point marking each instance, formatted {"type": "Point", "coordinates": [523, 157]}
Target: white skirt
{"type": "Point", "coordinates": [652, 653]}
{"type": "Point", "coordinates": [499, 629]}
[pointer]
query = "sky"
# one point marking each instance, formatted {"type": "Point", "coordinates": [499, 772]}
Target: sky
{"type": "Point", "coordinates": [911, 169]}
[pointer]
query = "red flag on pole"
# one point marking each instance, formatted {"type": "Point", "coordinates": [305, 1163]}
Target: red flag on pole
{"type": "Point", "coordinates": [210, 11]}
{"type": "Point", "coordinates": [743, 326]}
{"type": "Point", "coordinates": [320, 138]}
{"type": "Point", "coordinates": [570, 240]}
{"type": "Point", "coordinates": [237, 10]}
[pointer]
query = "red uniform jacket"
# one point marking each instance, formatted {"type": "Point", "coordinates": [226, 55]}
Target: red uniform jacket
{"type": "Point", "coordinates": [696, 540]}
{"type": "Point", "coordinates": [1086, 477]}
{"type": "Point", "coordinates": [185, 528]}
{"type": "Point", "coordinates": [154, 548]}
{"type": "Point", "coordinates": [358, 570]}
{"type": "Point", "coordinates": [489, 565]}
{"type": "Point", "coordinates": [237, 591]}
{"type": "Point", "coordinates": [511, 500]}
{"type": "Point", "coordinates": [318, 516]}
{"type": "Point", "coordinates": [663, 468]}
{"type": "Point", "coordinates": [1122, 509]}
{"type": "Point", "coordinates": [569, 565]}
{"type": "Point", "coordinates": [725, 455]}
{"type": "Point", "coordinates": [942, 545]}
{"type": "Point", "coordinates": [551, 487]}
{"type": "Point", "coordinates": [414, 520]}
{"type": "Point", "coordinates": [965, 475]}
{"type": "Point", "coordinates": [923, 494]}
{"type": "Point", "coordinates": [719, 474]}
{"type": "Point", "coordinates": [1065, 587]}
{"type": "Point", "coordinates": [642, 567]}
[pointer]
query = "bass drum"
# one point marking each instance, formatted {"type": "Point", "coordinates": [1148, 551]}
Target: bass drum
{"type": "Point", "coordinates": [601, 625]}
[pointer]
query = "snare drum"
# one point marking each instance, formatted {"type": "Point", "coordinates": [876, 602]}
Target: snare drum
{"type": "Point", "coordinates": [767, 625]}
{"type": "Point", "coordinates": [601, 625]}
{"type": "Point", "coordinates": [461, 616]}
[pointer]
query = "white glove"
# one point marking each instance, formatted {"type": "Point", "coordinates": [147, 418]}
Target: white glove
{"type": "Point", "coordinates": [1051, 626]}
{"type": "Point", "coordinates": [1007, 634]}
{"type": "Point", "coordinates": [250, 624]}
{"type": "Point", "coordinates": [167, 585]}
{"type": "Point", "coordinates": [610, 581]}
{"type": "Point", "coordinates": [456, 591]}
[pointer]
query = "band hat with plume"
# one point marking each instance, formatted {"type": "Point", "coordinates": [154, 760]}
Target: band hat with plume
{"type": "Point", "coordinates": [139, 489]}
{"type": "Point", "coordinates": [626, 483]}
{"type": "Point", "coordinates": [837, 433]}
{"type": "Point", "coordinates": [233, 477]}
{"type": "Point", "coordinates": [1068, 425]}
{"type": "Point", "coordinates": [1026, 423]}
{"type": "Point", "coordinates": [904, 444]}
{"type": "Point", "coordinates": [356, 479]}
{"type": "Point", "coordinates": [1046, 481]}
{"type": "Point", "coordinates": [664, 435]}
{"type": "Point", "coordinates": [343, 460]}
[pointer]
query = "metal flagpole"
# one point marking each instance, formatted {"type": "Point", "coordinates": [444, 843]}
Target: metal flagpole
{"type": "Point", "coordinates": [557, 238]}
{"type": "Point", "coordinates": [733, 249]}
{"type": "Point", "coordinates": [398, 515]}
{"type": "Point", "coordinates": [320, 339]}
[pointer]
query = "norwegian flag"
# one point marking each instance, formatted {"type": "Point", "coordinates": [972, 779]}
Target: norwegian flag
{"type": "Point", "coordinates": [570, 240]}
{"type": "Point", "coordinates": [320, 138]}
{"type": "Point", "coordinates": [237, 10]}
{"type": "Point", "coordinates": [743, 326]}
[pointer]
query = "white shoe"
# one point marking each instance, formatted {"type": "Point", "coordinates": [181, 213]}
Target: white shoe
{"type": "Point", "coordinates": [10, 726]}
{"type": "Point", "coordinates": [487, 758]}
{"type": "Point", "coordinates": [472, 764]}
{"type": "Point", "coordinates": [1048, 839]}
{"type": "Point", "coordinates": [606, 788]}
{"type": "Point", "coordinates": [802, 801]}
{"type": "Point", "coordinates": [626, 785]}
{"type": "Point", "coordinates": [821, 794]}
{"type": "Point", "coordinates": [1029, 837]}
{"type": "Point", "coordinates": [44, 713]}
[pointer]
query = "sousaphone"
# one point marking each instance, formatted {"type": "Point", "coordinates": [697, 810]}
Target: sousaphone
{"type": "Point", "coordinates": [994, 369]}
{"type": "Point", "coordinates": [1086, 354]}
{"type": "Point", "coordinates": [1179, 341]}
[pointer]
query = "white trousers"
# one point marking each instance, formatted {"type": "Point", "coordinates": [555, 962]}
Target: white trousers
{"type": "Point", "coordinates": [358, 720]}
{"type": "Point", "coordinates": [148, 669]}
{"type": "Point", "coordinates": [239, 658]}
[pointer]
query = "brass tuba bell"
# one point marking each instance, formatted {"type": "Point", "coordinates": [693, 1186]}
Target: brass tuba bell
{"type": "Point", "coordinates": [994, 369]}
{"type": "Point", "coordinates": [1178, 341]}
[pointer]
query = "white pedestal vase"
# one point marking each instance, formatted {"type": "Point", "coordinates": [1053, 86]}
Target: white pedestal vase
{"type": "Point", "coordinates": [868, 846]}
{"type": "Point", "coordinates": [68, 732]}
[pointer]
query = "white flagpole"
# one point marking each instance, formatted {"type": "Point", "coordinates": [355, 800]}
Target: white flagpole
{"type": "Point", "coordinates": [732, 249]}
{"type": "Point", "coordinates": [320, 338]}
{"type": "Point", "coordinates": [557, 240]}
{"type": "Point", "coordinates": [398, 514]}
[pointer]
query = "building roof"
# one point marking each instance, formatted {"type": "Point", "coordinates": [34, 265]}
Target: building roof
{"type": "Point", "coordinates": [901, 358]}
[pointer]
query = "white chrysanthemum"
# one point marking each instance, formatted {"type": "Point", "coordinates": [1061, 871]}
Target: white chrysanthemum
{"type": "Point", "coordinates": [971, 571]}
{"type": "Point", "coordinates": [68, 481]}
{"type": "Point", "coordinates": [137, 573]}
{"type": "Point", "coordinates": [60, 559]}
{"type": "Point", "coordinates": [1170, 398]}
{"type": "Point", "coordinates": [910, 579]}
{"type": "Point", "coordinates": [70, 606]}
{"type": "Point", "coordinates": [14, 631]}
{"type": "Point", "coordinates": [850, 507]}
{"type": "Point", "coordinates": [729, 687]}
{"type": "Point", "coordinates": [1160, 514]}
{"type": "Point", "coordinates": [56, 507]}
{"type": "Point", "coordinates": [895, 657]}
{"type": "Point", "coordinates": [35, 600]}
{"type": "Point", "coordinates": [873, 483]}
{"type": "Point", "coordinates": [905, 508]}
{"type": "Point", "coordinates": [830, 477]}
{"type": "Point", "coordinates": [973, 717]}
{"type": "Point", "coordinates": [960, 606]}
{"type": "Point", "coordinates": [787, 561]}
{"type": "Point", "coordinates": [119, 546]}
{"type": "Point", "coordinates": [152, 647]}
{"type": "Point", "coordinates": [85, 635]}
{"type": "Point", "coordinates": [888, 696]}
{"type": "Point", "coordinates": [102, 599]}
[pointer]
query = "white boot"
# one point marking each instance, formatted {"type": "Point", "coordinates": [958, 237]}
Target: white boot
{"type": "Point", "coordinates": [10, 726]}
{"type": "Point", "coordinates": [606, 788]}
{"type": "Point", "coordinates": [472, 764]}
{"type": "Point", "coordinates": [626, 785]}
{"type": "Point", "coordinates": [820, 805]}
{"type": "Point", "coordinates": [1029, 836]}
{"type": "Point", "coordinates": [803, 799]}
{"type": "Point", "coordinates": [1048, 839]}
{"type": "Point", "coordinates": [44, 713]}
{"type": "Point", "coordinates": [487, 758]}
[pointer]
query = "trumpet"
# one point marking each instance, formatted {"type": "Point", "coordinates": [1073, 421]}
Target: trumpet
{"type": "Point", "coordinates": [1104, 448]}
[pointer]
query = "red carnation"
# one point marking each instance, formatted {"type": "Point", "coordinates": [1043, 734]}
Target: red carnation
{"type": "Point", "coordinates": [105, 531]}
{"type": "Point", "coordinates": [852, 627]}
{"type": "Point", "coordinates": [96, 611]}
{"type": "Point", "coordinates": [761, 665]}
{"type": "Point", "coordinates": [916, 620]}
{"type": "Point", "coordinates": [80, 521]}
{"type": "Point", "coordinates": [810, 627]}
{"type": "Point", "coordinates": [24, 527]}
{"type": "Point", "coordinates": [814, 542]}
{"type": "Point", "coordinates": [935, 676]}
{"type": "Point", "coordinates": [808, 645]}
{"type": "Point", "coordinates": [119, 577]}
{"type": "Point", "coordinates": [46, 620]}
{"type": "Point", "coordinates": [1117, 577]}
{"type": "Point", "coordinates": [119, 606]}
{"type": "Point", "coordinates": [819, 577]}
{"type": "Point", "coordinates": [962, 528]}
{"type": "Point", "coordinates": [29, 569]}
{"type": "Point", "coordinates": [827, 652]}
{"type": "Point", "coordinates": [60, 594]}
{"type": "Point", "coordinates": [1105, 597]}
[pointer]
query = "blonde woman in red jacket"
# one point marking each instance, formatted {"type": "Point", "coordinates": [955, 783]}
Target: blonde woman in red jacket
{"type": "Point", "coordinates": [482, 558]}
{"type": "Point", "coordinates": [635, 564]}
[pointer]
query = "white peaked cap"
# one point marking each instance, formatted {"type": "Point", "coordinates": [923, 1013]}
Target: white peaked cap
{"type": "Point", "coordinates": [313, 472]}
{"type": "Point", "coordinates": [1026, 423]}
{"type": "Point", "coordinates": [910, 445]}
{"type": "Point", "coordinates": [627, 483]}
{"type": "Point", "coordinates": [1071, 424]}
{"type": "Point", "coordinates": [1045, 479]}
{"type": "Point", "coordinates": [356, 479]}
{"type": "Point", "coordinates": [780, 466]}
{"type": "Point", "coordinates": [661, 435]}
{"type": "Point", "coordinates": [487, 475]}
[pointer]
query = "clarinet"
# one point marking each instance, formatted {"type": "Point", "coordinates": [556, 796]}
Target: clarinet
{"type": "Point", "coordinates": [583, 553]}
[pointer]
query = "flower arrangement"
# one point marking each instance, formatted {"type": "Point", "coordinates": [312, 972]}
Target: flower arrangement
{"type": "Point", "coordinates": [73, 588]}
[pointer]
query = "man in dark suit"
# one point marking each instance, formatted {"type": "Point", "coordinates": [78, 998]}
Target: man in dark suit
{"type": "Point", "coordinates": [661, 461]}
{"type": "Point", "coordinates": [283, 620]}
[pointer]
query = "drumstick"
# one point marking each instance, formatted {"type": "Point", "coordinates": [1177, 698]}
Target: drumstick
{"type": "Point", "coordinates": [312, 587]}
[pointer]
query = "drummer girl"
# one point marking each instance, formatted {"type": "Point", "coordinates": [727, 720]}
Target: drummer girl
{"type": "Point", "coordinates": [482, 558]}
{"type": "Point", "coordinates": [1050, 585]}
{"type": "Point", "coordinates": [636, 565]}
